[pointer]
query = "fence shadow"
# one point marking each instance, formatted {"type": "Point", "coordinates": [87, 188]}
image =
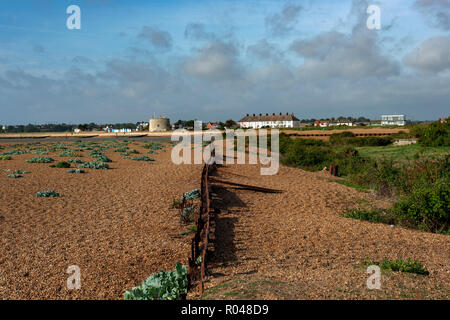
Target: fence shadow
{"type": "Point", "coordinates": [225, 200]}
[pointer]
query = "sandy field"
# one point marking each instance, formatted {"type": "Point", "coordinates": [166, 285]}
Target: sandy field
{"type": "Point", "coordinates": [295, 245]}
{"type": "Point", "coordinates": [117, 226]}
{"type": "Point", "coordinates": [114, 224]}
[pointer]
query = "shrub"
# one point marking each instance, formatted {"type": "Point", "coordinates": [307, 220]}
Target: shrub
{"type": "Point", "coordinates": [62, 164]}
{"type": "Point", "coordinates": [40, 160]}
{"type": "Point", "coordinates": [94, 165]}
{"type": "Point", "coordinates": [427, 207]}
{"type": "Point", "coordinates": [5, 157]}
{"type": "Point", "coordinates": [164, 285]}
{"type": "Point", "coordinates": [435, 134]}
{"type": "Point", "coordinates": [47, 193]}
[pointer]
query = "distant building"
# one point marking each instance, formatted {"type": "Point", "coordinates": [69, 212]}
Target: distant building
{"type": "Point", "coordinates": [212, 125]}
{"type": "Point", "coordinates": [77, 130]}
{"type": "Point", "coordinates": [348, 123]}
{"type": "Point", "coordinates": [375, 123]}
{"type": "Point", "coordinates": [393, 120]}
{"type": "Point", "coordinates": [321, 123]}
{"type": "Point", "coordinates": [273, 121]}
{"type": "Point", "coordinates": [159, 124]}
{"type": "Point", "coordinates": [121, 130]}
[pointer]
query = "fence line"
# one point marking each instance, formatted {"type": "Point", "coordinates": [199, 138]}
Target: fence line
{"type": "Point", "coordinates": [197, 262]}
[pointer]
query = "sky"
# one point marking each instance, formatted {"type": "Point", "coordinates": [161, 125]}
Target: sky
{"type": "Point", "coordinates": [214, 60]}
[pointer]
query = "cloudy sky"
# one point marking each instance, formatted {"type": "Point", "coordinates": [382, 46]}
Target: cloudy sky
{"type": "Point", "coordinates": [221, 59]}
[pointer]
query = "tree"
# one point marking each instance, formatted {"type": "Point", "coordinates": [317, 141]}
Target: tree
{"type": "Point", "coordinates": [230, 123]}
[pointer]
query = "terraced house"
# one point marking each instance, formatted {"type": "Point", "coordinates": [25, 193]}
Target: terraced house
{"type": "Point", "coordinates": [272, 121]}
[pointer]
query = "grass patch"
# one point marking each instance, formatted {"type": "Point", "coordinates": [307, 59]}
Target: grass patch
{"type": "Point", "coordinates": [360, 188]}
{"type": "Point", "coordinates": [403, 153]}
{"type": "Point", "coordinates": [399, 265]}
{"type": "Point", "coordinates": [373, 215]}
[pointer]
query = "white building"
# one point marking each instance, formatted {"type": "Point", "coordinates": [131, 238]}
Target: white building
{"type": "Point", "coordinates": [393, 120]}
{"type": "Point", "coordinates": [273, 121]}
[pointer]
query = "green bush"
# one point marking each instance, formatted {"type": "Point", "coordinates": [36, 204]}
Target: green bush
{"type": "Point", "coordinates": [40, 160]}
{"type": "Point", "coordinates": [435, 134]}
{"type": "Point", "coordinates": [427, 207]}
{"type": "Point", "coordinates": [62, 164]}
{"type": "Point", "coordinates": [5, 157]}
{"type": "Point", "coordinates": [164, 285]}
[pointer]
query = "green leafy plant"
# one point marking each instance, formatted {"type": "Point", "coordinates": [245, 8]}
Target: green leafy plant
{"type": "Point", "coordinates": [75, 171]}
{"type": "Point", "coordinates": [13, 175]}
{"type": "Point", "coordinates": [191, 195]}
{"type": "Point", "coordinates": [164, 285]}
{"type": "Point", "coordinates": [94, 165]}
{"type": "Point", "coordinates": [40, 160]}
{"type": "Point", "coordinates": [2, 157]}
{"type": "Point", "coordinates": [75, 161]}
{"type": "Point", "coordinates": [47, 193]}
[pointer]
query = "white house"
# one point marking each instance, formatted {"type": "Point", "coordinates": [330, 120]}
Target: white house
{"type": "Point", "coordinates": [393, 120]}
{"type": "Point", "coordinates": [273, 121]}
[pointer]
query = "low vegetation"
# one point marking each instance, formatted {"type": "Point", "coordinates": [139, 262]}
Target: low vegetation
{"type": "Point", "coordinates": [94, 165]}
{"type": "Point", "coordinates": [47, 193]}
{"type": "Point", "coordinates": [399, 265]}
{"type": "Point", "coordinates": [419, 186]}
{"type": "Point", "coordinates": [40, 160]}
{"type": "Point", "coordinates": [171, 285]}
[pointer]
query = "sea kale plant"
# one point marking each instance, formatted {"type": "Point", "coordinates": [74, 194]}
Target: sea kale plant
{"type": "Point", "coordinates": [164, 285]}
{"type": "Point", "coordinates": [40, 160]}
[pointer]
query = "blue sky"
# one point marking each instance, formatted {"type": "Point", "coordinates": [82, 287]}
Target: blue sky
{"type": "Point", "coordinates": [220, 59]}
